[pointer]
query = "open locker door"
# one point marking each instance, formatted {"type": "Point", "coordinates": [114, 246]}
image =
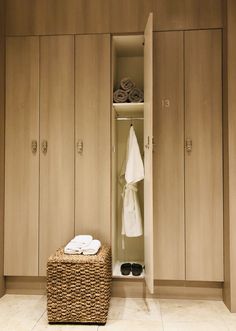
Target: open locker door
{"type": "Point", "coordinates": [148, 149]}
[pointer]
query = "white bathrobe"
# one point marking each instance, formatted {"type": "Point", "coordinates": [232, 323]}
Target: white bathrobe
{"type": "Point", "coordinates": [133, 173]}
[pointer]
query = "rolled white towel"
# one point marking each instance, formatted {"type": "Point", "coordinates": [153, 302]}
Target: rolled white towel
{"type": "Point", "coordinates": [92, 248]}
{"type": "Point", "coordinates": [120, 96]}
{"type": "Point", "coordinates": [127, 84]}
{"type": "Point", "coordinates": [136, 95]}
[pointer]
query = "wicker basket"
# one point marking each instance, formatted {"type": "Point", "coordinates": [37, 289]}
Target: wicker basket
{"type": "Point", "coordinates": [79, 287]}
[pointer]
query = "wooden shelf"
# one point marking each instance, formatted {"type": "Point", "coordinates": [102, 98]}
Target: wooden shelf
{"type": "Point", "coordinates": [128, 106]}
{"type": "Point", "coordinates": [129, 109]}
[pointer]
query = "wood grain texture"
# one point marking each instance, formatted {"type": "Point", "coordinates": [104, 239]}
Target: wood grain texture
{"type": "Point", "coordinates": [57, 127]}
{"type": "Point", "coordinates": [93, 201]}
{"type": "Point", "coordinates": [168, 176]}
{"type": "Point", "coordinates": [109, 16]}
{"type": "Point", "coordinates": [203, 165]}
{"type": "Point", "coordinates": [2, 141]}
{"type": "Point", "coordinates": [188, 14]}
{"type": "Point", "coordinates": [21, 165]}
{"type": "Point", "coordinates": [230, 147]}
{"type": "Point", "coordinates": [131, 15]}
{"type": "Point", "coordinates": [227, 275]}
{"type": "Point", "coordinates": [148, 155]}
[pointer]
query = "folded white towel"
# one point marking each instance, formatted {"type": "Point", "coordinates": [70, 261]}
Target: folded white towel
{"type": "Point", "coordinates": [76, 245]}
{"type": "Point", "coordinates": [82, 240]}
{"type": "Point", "coordinates": [72, 250]}
{"type": "Point", "coordinates": [92, 248]}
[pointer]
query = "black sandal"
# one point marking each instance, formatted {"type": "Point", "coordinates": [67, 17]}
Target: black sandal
{"type": "Point", "coordinates": [125, 269]}
{"type": "Point", "coordinates": [136, 269]}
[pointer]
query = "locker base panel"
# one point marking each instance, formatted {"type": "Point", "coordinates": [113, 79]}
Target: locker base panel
{"type": "Point", "coordinates": [130, 288]}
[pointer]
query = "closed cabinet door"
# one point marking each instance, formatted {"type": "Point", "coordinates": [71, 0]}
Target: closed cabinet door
{"type": "Point", "coordinates": [22, 157]}
{"type": "Point", "coordinates": [168, 157]}
{"type": "Point", "coordinates": [203, 156]}
{"type": "Point", "coordinates": [56, 144]}
{"type": "Point", "coordinates": [92, 152]}
{"type": "Point", "coordinates": [188, 190]}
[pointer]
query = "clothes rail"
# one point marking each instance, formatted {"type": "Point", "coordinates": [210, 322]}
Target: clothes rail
{"type": "Point", "coordinates": [128, 118]}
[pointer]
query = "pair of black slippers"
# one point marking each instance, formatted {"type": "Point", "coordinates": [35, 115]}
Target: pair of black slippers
{"type": "Point", "coordinates": [127, 268]}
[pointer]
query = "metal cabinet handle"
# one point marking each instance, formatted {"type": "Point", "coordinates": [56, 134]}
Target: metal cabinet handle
{"type": "Point", "coordinates": [80, 146]}
{"type": "Point", "coordinates": [44, 146]}
{"type": "Point", "coordinates": [148, 143]}
{"type": "Point", "coordinates": [34, 146]}
{"type": "Point", "coordinates": [188, 145]}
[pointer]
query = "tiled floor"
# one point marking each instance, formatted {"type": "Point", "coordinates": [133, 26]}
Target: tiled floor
{"type": "Point", "coordinates": [28, 312]}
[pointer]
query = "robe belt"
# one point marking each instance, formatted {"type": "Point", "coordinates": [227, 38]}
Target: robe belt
{"type": "Point", "coordinates": [132, 187]}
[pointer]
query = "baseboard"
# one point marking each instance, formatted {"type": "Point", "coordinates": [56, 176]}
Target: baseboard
{"type": "Point", "coordinates": [129, 288]}
{"type": "Point", "coordinates": [25, 285]}
{"type": "Point", "coordinates": [169, 289]}
{"type": "Point", "coordinates": [189, 290]}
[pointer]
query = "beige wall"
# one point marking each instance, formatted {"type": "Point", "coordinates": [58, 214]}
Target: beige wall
{"type": "Point", "coordinates": [230, 153]}
{"type": "Point", "coordinates": [115, 16]}
{"type": "Point", "coordinates": [1, 141]}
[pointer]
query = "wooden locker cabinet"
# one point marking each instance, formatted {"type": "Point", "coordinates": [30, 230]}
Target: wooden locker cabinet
{"type": "Point", "coordinates": [42, 196]}
{"type": "Point", "coordinates": [133, 57]}
{"type": "Point", "coordinates": [57, 129]}
{"type": "Point", "coordinates": [39, 109]}
{"type": "Point", "coordinates": [21, 162]}
{"type": "Point", "coordinates": [203, 164]}
{"type": "Point", "coordinates": [169, 156]}
{"type": "Point", "coordinates": [188, 180]}
{"type": "Point", "coordinates": [51, 195]}
{"type": "Point", "coordinates": [92, 135]}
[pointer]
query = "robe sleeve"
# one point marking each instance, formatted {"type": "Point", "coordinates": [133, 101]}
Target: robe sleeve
{"type": "Point", "coordinates": [134, 171]}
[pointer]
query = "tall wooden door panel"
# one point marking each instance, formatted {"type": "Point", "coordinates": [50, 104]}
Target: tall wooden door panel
{"type": "Point", "coordinates": [22, 157]}
{"type": "Point", "coordinates": [57, 144]}
{"type": "Point", "coordinates": [148, 154]}
{"type": "Point", "coordinates": [92, 198]}
{"type": "Point", "coordinates": [203, 156]}
{"type": "Point", "coordinates": [169, 232]}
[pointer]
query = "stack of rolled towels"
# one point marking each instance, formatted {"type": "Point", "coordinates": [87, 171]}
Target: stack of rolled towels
{"type": "Point", "coordinates": [83, 244]}
{"type": "Point", "coordinates": [127, 92]}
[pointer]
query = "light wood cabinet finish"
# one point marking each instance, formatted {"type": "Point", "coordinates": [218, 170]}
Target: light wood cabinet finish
{"type": "Point", "coordinates": [57, 128]}
{"type": "Point", "coordinates": [21, 165]}
{"type": "Point", "coordinates": [229, 110]}
{"type": "Point", "coordinates": [203, 165]}
{"type": "Point", "coordinates": [168, 176]}
{"type": "Point", "coordinates": [190, 14]}
{"type": "Point", "coordinates": [93, 104]}
{"type": "Point", "coordinates": [109, 16]}
{"type": "Point", "coordinates": [2, 141]}
{"type": "Point", "coordinates": [148, 155]}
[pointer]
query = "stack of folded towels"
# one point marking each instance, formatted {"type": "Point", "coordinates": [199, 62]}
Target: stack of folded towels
{"type": "Point", "coordinates": [83, 244]}
{"type": "Point", "coordinates": [127, 92]}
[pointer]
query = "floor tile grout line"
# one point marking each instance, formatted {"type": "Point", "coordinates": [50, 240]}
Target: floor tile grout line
{"type": "Point", "coordinates": [39, 319]}
{"type": "Point", "coordinates": [162, 322]}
